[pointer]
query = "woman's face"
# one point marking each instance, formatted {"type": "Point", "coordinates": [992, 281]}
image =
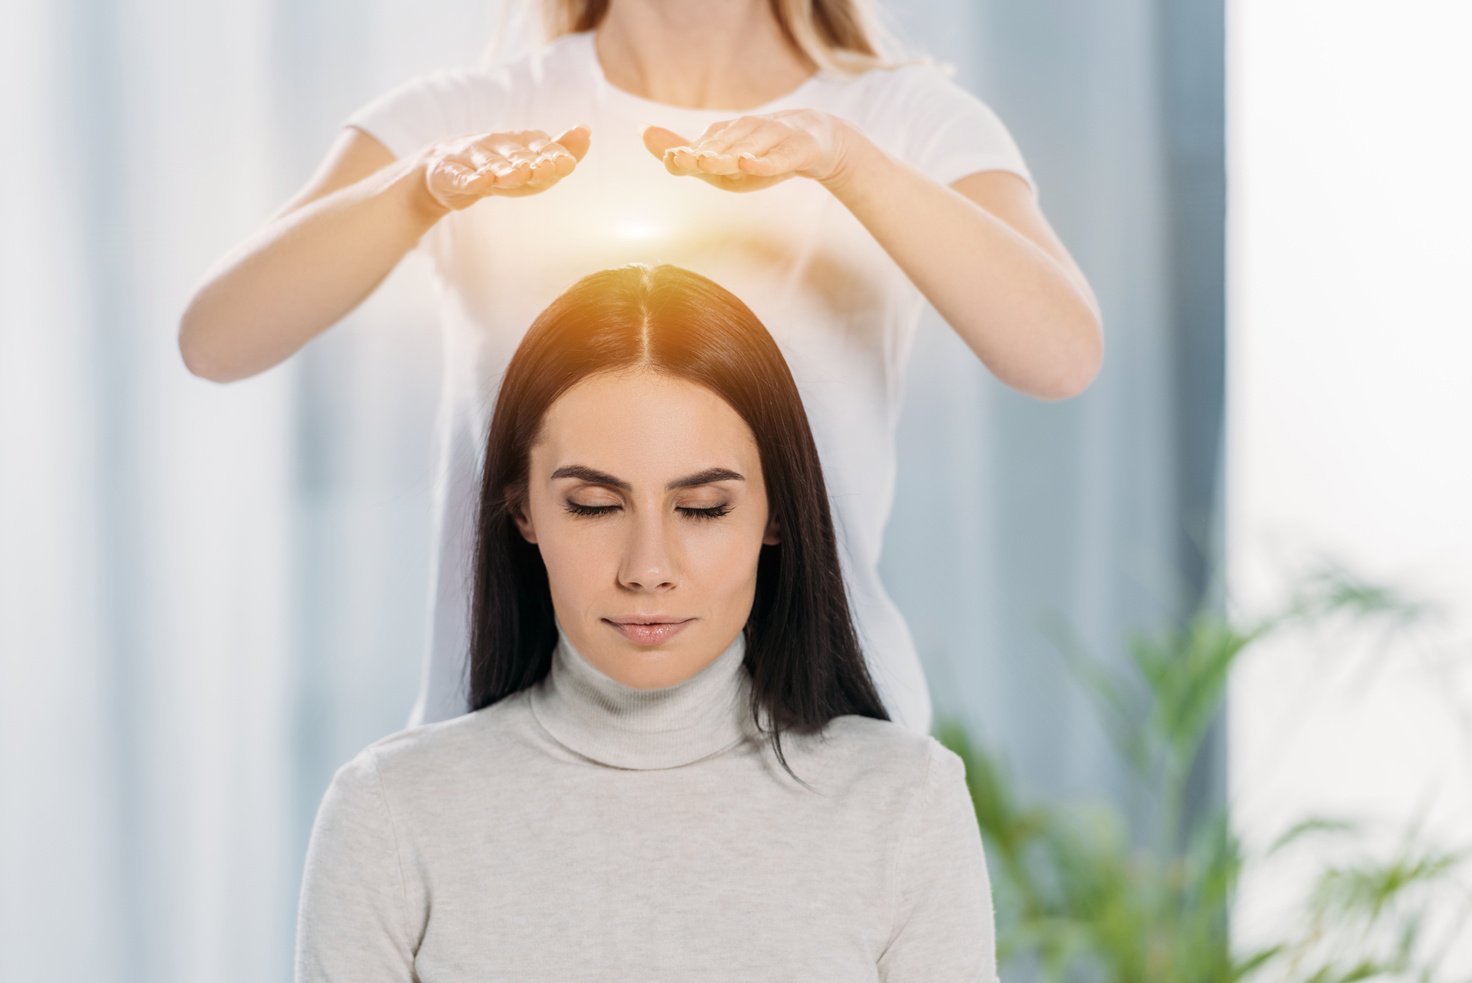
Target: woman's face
{"type": "Point", "coordinates": [646, 499]}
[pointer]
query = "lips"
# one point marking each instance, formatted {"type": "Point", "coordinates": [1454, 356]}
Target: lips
{"type": "Point", "coordinates": [647, 630]}
{"type": "Point", "coordinates": [652, 619]}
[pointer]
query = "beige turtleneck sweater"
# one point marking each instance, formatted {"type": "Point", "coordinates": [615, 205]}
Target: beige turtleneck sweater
{"type": "Point", "coordinates": [585, 830]}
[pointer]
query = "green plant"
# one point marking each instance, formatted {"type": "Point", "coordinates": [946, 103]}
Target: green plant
{"type": "Point", "coordinates": [1076, 895]}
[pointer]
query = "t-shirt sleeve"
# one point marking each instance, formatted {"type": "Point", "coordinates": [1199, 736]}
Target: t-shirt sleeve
{"type": "Point", "coordinates": [945, 924]}
{"type": "Point", "coordinates": [952, 132]}
{"type": "Point", "coordinates": [353, 921]}
{"type": "Point", "coordinates": [429, 107]}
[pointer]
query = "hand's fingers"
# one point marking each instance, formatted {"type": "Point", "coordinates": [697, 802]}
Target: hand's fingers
{"type": "Point", "coordinates": [562, 161]}
{"type": "Point", "coordinates": [782, 158]}
{"type": "Point", "coordinates": [737, 129]}
{"type": "Point", "coordinates": [522, 162]}
{"type": "Point", "coordinates": [543, 173]}
{"type": "Point", "coordinates": [575, 140]}
{"type": "Point", "coordinates": [711, 162]}
{"type": "Point", "coordinates": [657, 140]}
{"type": "Point", "coordinates": [718, 156]}
{"type": "Point", "coordinates": [680, 160]}
{"type": "Point", "coordinates": [512, 175]}
{"type": "Point", "coordinates": [545, 147]}
{"type": "Point", "coordinates": [517, 147]}
{"type": "Point", "coordinates": [551, 161]}
{"type": "Point", "coordinates": [759, 144]}
{"type": "Point", "coordinates": [489, 161]}
{"type": "Point", "coordinates": [725, 160]}
{"type": "Point", "coordinates": [522, 157]}
{"type": "Point", "coordinates": [479, 157]}
{"type": "Point", "coordinates": [478, 170]}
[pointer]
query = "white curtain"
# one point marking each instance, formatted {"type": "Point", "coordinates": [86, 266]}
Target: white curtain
{"type": "Point", "coordinates": [212, 595]}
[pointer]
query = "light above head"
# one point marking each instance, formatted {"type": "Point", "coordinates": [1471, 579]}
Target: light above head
{"type": "Point", "coordinates": [637, 229]}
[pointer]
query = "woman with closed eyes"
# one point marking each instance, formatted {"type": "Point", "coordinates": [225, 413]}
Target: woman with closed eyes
{"type": "Point", "coordinates": [677, 766]}
{"type": "Point", "coordinates": [774, 146]}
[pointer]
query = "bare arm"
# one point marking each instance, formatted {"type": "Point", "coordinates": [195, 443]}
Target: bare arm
{"type": "Point", "coordinates": [314, 261]}
{"type": "Point", "coordinates": [331, 246]}
{"type": "Point", "coordinates": [980, 250]}
{"type": "Point", "coordinates": [987, 259]}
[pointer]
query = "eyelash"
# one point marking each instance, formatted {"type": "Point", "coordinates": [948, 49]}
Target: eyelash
{"type": "Point", "coordinates": [714, 512]}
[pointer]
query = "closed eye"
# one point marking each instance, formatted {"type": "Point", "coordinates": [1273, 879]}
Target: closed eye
{"type": "Point", "coordinates": [713, 512]}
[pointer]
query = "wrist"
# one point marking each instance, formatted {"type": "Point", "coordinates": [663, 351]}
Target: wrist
{"type": "Point", "coordinates": [853, 158]}
{"type": "Point", "coordinates": [412, 186]}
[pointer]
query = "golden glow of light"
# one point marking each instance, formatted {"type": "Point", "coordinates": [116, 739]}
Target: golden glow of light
{"type": "Point", "coordinates": [639, 230]}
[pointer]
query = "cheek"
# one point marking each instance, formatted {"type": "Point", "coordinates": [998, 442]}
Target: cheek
{"type": "Point", "coordinates": [726, 561]}
{"type": "Point", "coordinates": [574, 551]}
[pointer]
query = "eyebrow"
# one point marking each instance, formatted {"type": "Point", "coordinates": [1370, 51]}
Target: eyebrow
{"type": "Point", "coordinates": [597, 477]}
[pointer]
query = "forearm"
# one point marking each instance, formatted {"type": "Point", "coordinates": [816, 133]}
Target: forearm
{"type": "Point", "coordinates": [302, 273]}
{"type": "Point", "coordinates": [1010, 301]}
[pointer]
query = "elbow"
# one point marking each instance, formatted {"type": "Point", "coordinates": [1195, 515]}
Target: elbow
{"type": "Point", "coordinates": [1087, 358]}
{"type": "Point", "coordinates": [1093, 360]}
{"type": "Point", "coordinates": [191, 350]}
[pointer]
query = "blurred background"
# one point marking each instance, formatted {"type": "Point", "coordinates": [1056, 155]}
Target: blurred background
{"type": "Point", "coordinates": [213, 595]}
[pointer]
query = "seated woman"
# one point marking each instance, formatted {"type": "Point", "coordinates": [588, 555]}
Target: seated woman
{"type": "Point", "coordinates": [659, 622]}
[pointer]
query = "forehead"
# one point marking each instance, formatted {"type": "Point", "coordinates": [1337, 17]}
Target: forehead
{"type": "Point", "coordinates": [639, 416]}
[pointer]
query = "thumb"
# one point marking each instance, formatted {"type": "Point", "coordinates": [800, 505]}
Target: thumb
{"type": "Point", "coordinates": [575, 139]}
{"type": "Point", "coordinates": [657, 140]}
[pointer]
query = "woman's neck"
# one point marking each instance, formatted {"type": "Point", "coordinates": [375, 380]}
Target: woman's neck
{"type": "Point", "coordinates": [703, 54]}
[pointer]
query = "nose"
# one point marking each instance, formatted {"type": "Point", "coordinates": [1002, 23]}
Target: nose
{"type": "Point", "coordinates": [648, 561]}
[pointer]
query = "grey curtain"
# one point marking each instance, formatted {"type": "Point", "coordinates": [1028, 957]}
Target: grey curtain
{"type": "Point", "coordinates": [1101, 512]}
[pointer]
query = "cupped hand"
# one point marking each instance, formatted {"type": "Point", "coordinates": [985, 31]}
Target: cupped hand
{"type": "Point", "coordinates": [753, 152]}
{"type": "Point", "coordinates": [461, 171]}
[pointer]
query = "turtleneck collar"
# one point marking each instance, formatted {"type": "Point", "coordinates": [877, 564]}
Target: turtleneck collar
{"type": "Point", "coordinates": [626, 727]}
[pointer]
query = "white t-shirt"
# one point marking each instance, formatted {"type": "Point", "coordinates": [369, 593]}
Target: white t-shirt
{"type": "Point", "coordinates": [841, 311]}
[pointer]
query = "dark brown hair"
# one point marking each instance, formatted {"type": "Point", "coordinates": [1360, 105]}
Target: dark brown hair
{"type": "Point", "coordinates": [802, 651]}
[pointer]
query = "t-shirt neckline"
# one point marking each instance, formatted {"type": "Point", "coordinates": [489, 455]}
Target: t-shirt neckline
{"type": "Point", "coordinates": [635, 101]}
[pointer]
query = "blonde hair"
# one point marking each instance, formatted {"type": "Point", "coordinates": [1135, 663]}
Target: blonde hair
{"type": "Point", "coordinates": [848, 37]}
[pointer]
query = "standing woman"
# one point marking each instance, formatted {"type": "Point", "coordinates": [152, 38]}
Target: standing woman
{"type": "Point", "coordinates": [765, 144]}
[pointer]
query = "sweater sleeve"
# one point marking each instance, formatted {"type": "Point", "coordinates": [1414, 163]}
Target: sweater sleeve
{"type": "Point", "coordinates": [953, 133]}
{"type": "Point", "coordinates": [352, 921]}
{"type": "Point", "coordinates": [944, 922]}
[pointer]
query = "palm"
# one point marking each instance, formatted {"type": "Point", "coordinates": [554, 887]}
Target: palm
{"type": "Point", "coordinates": [776, 147]}
{"type": "Point", "coordinates": [575, 141]}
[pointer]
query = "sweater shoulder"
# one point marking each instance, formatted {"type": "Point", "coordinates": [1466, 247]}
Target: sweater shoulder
{"type": "Point", "coordinates": [451, 749]}
{"type": "Point", "coordinates": [878, 754]}
{"type": "Point", "coordinates": [884, 738]}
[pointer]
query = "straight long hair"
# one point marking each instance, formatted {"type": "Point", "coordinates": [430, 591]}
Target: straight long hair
{"type": "Point", "coordinates": [802, 650]}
